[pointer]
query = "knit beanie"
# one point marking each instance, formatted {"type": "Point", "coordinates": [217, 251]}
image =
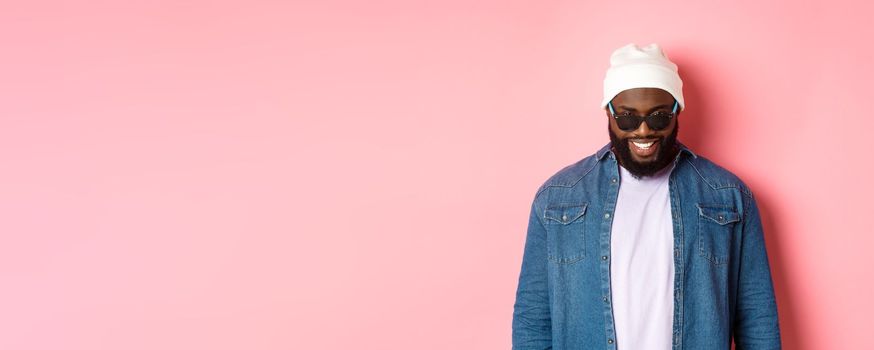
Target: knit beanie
{"type": "Point", "coordinates": [634, 67]}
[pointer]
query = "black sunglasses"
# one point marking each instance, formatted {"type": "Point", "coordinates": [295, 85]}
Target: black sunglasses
{"type": "Point", "coordinates": [658, 120]}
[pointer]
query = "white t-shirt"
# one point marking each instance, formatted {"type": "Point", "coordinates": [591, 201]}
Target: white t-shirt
{"type": "Point", "coordinates": [642, 264]}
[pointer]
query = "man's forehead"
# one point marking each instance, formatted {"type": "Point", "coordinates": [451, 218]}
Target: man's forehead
{"type": "Point", "coordinates": [644, 109]}
{"type": "Point", "coordinates": [643, 99]}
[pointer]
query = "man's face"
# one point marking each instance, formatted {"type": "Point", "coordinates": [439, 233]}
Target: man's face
{"type": "Point", "coordinates": [643, 161]}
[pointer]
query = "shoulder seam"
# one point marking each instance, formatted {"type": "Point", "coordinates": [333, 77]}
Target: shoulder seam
{"type": "Point", "coordinates": [550, 183]}
{"type": "Point", "coordinates": [740, 186]}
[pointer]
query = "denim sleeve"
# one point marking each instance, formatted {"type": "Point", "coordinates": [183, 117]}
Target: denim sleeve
{"type": "Point", "coordinates": [756, 326]}
{"type": "Point", "coordinates": [532, 324]}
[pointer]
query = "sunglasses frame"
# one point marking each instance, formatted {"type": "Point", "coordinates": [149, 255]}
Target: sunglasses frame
{"type": "Point", "coordinates": [647, 119]}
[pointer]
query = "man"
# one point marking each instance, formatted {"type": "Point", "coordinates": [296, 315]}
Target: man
{"type": "Point", "coordinates": [644, 244]}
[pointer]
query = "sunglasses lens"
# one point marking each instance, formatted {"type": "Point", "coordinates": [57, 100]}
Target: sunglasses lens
{"type": "Point", "coordinates": [627, 122]}
{"type": "Point", "coordinates": [659, 121]}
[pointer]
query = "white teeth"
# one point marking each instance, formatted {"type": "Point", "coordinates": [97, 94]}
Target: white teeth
{"type": "Point", "coordinates": [643, 145]}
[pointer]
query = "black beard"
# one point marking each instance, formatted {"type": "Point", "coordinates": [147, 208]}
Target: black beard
{"type": "Point", "coordinates": [667, 148]}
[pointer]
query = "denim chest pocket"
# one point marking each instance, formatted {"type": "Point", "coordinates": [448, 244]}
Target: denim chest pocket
{"type": "Point", "coordinates": [566, 228]}
{"type": "Point", "coordinates": [716, 224]}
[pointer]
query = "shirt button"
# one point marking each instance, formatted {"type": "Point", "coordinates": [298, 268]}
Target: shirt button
{"type": "Point", "coordinates": [614, 180]}
{"type": "Point", "coordinates": [606, 299]}
{"type": "Point", "coordinates": [609, 341]}
{"type": "Point", "coordinates": [606, 215]}
{"type": "Point", "coordinates": [604, 257]}
{"type": "Point", "coordinates": [564, 217]}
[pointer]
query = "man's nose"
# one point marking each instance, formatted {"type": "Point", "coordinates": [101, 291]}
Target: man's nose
{"type": "Point", "coordinates": [644, 130]}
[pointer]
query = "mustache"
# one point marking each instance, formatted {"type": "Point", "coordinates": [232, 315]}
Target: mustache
{"type": "Point", "coordinates": [658, 139]}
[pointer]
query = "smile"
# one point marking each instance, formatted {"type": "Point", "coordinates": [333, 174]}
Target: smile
{"type": "Point", "coordinates": [644, 149]}
{"type": "Point", "coordinates": [643, 145]}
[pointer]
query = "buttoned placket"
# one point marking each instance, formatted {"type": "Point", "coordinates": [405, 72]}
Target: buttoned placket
{"type": "Point", "coordinates": [606, 228]}
{"type": "Point", "coordinates": [679, 276]}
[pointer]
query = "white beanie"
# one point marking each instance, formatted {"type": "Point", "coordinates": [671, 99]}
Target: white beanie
{"type": "Point", "coordinates": [635, 67]}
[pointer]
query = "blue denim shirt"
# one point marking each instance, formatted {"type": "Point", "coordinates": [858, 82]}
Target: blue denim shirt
{"type": "Point", "coordinates": [722, 286]}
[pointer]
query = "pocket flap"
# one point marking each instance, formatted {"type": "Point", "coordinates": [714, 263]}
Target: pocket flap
{"type": "Point", "coordinates": [720, 214]}
{"type": "Point", "coordinates": [565, 213]}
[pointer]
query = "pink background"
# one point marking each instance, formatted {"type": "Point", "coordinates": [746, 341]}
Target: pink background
{"type": "Point", "coordinates": [338, 175]}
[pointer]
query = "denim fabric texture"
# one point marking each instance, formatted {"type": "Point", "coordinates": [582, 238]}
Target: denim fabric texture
{"type": "Point", "coordinates": [722, 289]}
